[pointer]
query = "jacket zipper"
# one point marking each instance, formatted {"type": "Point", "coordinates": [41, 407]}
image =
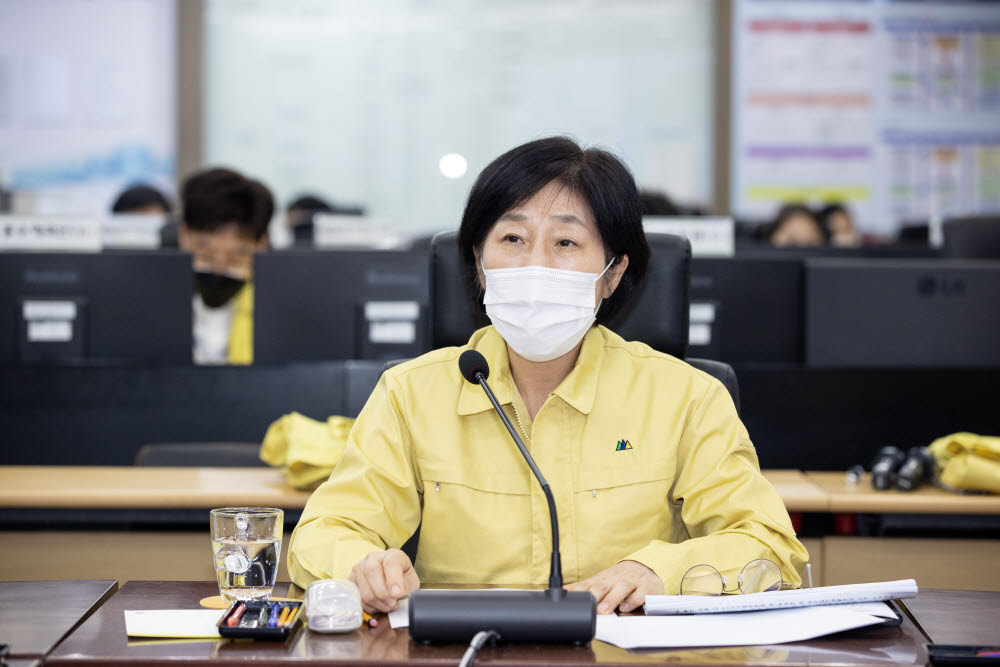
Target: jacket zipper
{"type": "Point", "coordinates": [517, 415]}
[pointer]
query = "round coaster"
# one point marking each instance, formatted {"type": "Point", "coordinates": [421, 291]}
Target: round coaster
{"type": "Point", "coordinates": [219, 602]}
{"type": "Point", "coordinates": [214, 602]}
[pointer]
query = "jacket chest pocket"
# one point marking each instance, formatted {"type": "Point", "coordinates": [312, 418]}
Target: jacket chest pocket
{"type": "Point", "coordinates": [476, 523]}
{"type": "Point", "coordinates": [620, 509]}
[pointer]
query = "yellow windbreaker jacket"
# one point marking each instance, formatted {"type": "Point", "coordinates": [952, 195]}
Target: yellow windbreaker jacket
{"type": "Point", "coordinates": [645, 455]}
{"type": "Point", "coordinates": [241, 332]}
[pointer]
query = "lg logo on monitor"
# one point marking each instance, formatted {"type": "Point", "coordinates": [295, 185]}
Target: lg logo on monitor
{"type": "Point", "coordinates": [929, 286]}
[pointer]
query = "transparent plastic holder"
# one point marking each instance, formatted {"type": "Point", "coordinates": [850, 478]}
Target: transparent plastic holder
{"type": "Point", "coordinates": [333, 605]}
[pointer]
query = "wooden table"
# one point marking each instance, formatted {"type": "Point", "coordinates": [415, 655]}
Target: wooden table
{"type": "Point", "coordinates": [71, 501]}
{"type": "Point", "coordinates": [130, 487]}
{"type": "Point", "coordinates": [955, 562]}
{"type": "Point", "coordinates": [102, 640]}
{"type": "Point", "coordinates": [126, 522]}
{"type": "Point", "coordinates": [925, 500]}
{"type": "Point", "coordinates": [35, 615]}
{"type": "Point", "coordinates": [799, 493]}
{"type": "Point", "coordinates": [111, 487]}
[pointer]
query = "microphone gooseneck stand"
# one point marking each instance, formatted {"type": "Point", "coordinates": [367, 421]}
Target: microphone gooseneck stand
{"type": "Point", "coordinates": [554, 615]}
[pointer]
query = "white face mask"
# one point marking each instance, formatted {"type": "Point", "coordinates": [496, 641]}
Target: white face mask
{"type": "Point", "coordinates": [542, 313]}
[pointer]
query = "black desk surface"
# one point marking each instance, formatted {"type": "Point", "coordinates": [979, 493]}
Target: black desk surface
{"type": "Point", "coordinates": [102, 640]}
{"type": "Point", "coordinates": [35, 615]}
{"type": "Point", "coordinates": [958, 617]}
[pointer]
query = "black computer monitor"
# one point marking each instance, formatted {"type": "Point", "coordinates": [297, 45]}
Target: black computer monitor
{"type": "Point", "coordinates": [746, 310]}
{"type": "Point", "coordinates": [110, 307]}
{"type": "Point", "coordinates": [314, 305]}
{"type": "Point", "coordinates": [902, 313]}
{"type": "Point", "coordinates": [757, 250]}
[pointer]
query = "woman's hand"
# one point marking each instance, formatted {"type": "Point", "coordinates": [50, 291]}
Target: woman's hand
{"type": "Point", "coordinates": [624, 585]}
{"type": "Point", "coordinates": [384, 578]}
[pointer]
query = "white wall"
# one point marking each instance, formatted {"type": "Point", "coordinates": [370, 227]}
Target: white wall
{"type": "Point", "coordinates": [359, 100]}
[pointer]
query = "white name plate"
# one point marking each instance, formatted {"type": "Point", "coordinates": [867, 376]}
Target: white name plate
{"type": "Point", "coordinates": [709, 237]}
{"type": "Point", "coordinates": [392, 310]}
{"type": "Point", "coordinates": [333, 231]}
{"type": "Point", "coordinates": [49, 233]}
{"type": "Point", "coordinates": [132, 231]}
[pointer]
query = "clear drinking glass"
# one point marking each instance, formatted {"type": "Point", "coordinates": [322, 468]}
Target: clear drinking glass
{"type": "Point", "coordinates": [246, 544]}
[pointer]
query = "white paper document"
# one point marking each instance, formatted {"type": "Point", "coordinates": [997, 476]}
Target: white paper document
{"type": "Point", "coordinates": [802, 597]}
{"type": "Point", "coordinates": [400, 616]}
{"type": "Point", "coordinates": [752, 628]}
{"type": "Point", "coordinates": [188, 623]}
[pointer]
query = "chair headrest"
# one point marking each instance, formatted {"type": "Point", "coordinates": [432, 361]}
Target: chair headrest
{"type": "Point", "coordinates": [975, 237]}
{"type": "Point", "coordinates": [657, 313]}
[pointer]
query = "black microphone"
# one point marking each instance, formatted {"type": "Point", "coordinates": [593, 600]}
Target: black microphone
{"type": "Point", "coordinates": [550, 616]}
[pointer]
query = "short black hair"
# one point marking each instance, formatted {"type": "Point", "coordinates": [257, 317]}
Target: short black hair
{"type": "Point", "coordinates": [214, 198]}
{"type": "Point", "coordinates": [139, 196]}
{"type": "Point", "coordinates": [597, 175]}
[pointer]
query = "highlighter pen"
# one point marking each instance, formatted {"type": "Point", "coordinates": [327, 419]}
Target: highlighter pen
{"type": "Point", "coordinates": [273, 620]}
{"type": "Point", "coordinates": [234, 618]}
{"type": "Point", "coordinates": [285, 613]}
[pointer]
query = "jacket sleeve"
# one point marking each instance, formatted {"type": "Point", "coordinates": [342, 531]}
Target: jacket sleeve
{"type": "Point", "coordinates": [732, 514]}
{"type": "Point", "coordinates": [370, 502]}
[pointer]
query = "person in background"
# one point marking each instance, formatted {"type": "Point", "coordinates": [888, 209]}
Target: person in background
{"type": "Point", "coordinates": [299, 217]}
{"type": "Point", "coordinates": [224, 222]}
{"type": "Point", "coordinates": [796, 225]}
{"type": "Point", "coordinates": [142, 199]}
{"type": "Point", "coordinates": [139, 199]}
{"type": "Point", "coordinates": [655, 202]}
{"type": "Point", "coordinates": [839, 225]}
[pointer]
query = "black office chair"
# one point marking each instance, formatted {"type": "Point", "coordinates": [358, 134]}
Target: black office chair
{"type": "Point", "coordinates": [973, 237]}
{"type": "Point", "coordinates": [657, 313]}
{"type": "Point", "coordinates": [200, 455]}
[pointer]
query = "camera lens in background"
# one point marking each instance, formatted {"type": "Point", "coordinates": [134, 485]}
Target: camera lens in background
{"type": "Point", "coordinates": [854, 475]}
{"type": "Point", "coordinates": [917, 469]}
{"type": "Point", "coordinates": [885, 466]}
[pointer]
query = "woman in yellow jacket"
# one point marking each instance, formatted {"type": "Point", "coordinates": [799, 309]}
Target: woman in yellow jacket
{"type": "Point", "coordinates": [652, 471]}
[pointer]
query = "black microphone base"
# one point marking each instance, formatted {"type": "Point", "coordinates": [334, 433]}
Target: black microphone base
{"type": "Point", "coordinates": [452, 617]}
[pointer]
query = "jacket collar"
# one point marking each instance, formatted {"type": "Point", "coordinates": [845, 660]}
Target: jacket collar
{"type": "Point", "coordinates": [489, 343]}
{"type": "Point", "coordinates": [580, 386]}
{"type": "Point", "coordinates": [577, 390]}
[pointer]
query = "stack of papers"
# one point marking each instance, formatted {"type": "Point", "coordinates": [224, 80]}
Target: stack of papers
{"type": "Point", "coordinates": [802, 597]}
{"type": "Point", "coordinates": [756, 619]}
{"type": "Point", "coordinates": [753, 628]}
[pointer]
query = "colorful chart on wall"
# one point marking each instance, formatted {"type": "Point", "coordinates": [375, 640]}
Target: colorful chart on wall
{"type": "Point", "coordinates": [892, 106]}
